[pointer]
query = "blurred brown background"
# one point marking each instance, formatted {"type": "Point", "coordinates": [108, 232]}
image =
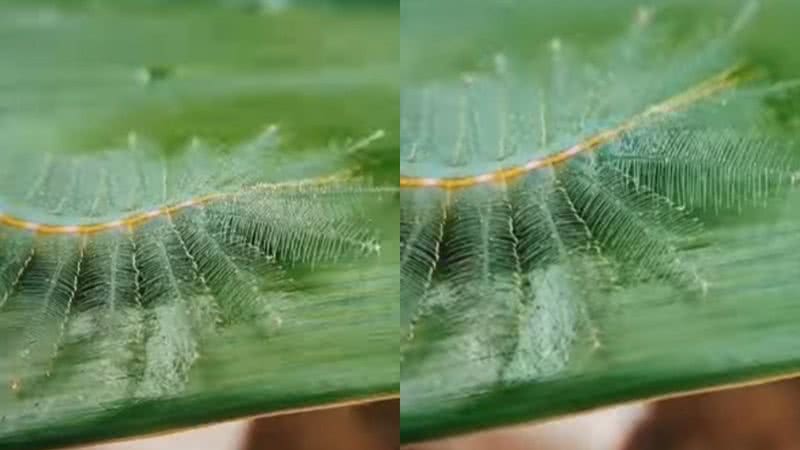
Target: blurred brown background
{"type": "Point", "coordinates": [765, 417]}
{"type": "Point", "coordinates": [374, 426]}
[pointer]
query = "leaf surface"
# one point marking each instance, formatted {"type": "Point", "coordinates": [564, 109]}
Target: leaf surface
{"type": "Point", "coordinates": [578, 215]}
{"type": "Point", "coordinates": [198, 214]}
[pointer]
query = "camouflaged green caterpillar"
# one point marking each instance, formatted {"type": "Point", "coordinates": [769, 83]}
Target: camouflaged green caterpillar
{"type": "Point", "coordinates": [140, 254]}
{"type": "Point", "coordinates": [527, 190]}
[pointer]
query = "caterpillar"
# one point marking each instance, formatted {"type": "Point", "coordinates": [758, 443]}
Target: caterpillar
{"type": "Point", "coordinates": [529, 189]}
{"type": "Point", "coordinates": [134, 256]}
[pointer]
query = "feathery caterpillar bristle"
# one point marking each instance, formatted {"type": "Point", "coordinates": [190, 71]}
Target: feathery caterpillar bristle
{"type": "Point", "coordinates": [145, 255]}
{"type": "Point", "coordinates": [527, 193]}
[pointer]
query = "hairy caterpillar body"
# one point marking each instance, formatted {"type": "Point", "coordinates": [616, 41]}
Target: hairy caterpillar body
{"type": "Point", "coordinates": [530, 189]}
{"type": "Point", "coordinates": [135, 256]}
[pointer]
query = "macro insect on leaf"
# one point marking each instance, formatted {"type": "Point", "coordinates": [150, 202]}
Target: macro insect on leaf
{"type": "Point", "coordinates": [167, 257]}
{"type": "Point", "coordinates": [538, 194]}
{"type": "Point", "coordinates": [138, 256]}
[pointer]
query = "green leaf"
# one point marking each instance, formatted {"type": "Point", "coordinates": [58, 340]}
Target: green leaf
{"type": "Point", "coordinates": [598, 215]}
{"type": "Point", "coordinates": [168, 257]}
